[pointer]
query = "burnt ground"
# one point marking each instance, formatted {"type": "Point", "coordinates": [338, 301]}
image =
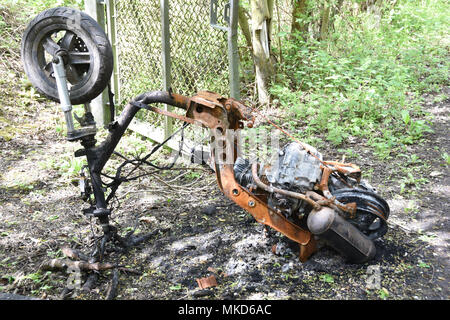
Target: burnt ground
{"type": "Point", "coordinates": [198, 232]}
{"type": "Point", "coordinates": [201, 233]}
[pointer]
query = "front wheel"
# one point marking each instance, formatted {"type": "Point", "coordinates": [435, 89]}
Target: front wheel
{"type": "Point", "coordinates": [81, 42]}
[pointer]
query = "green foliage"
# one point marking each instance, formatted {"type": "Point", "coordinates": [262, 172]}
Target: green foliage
{"type": "Point", "coordinates": [383, 293]}
{"type": "Point", "coordinates": [41, 5]}
{"type": "Point", "coordinates": [176, 287]}
{"type": "Point", "coordinates": [65, 165]}
{"type": "Point", "coordinates": [446, 158]}
{"type": "Point", "coordinates": [328, 278]}
{"type": "Point", "coordinates": [366, 79]}
{"type": "Point", "coordinates": [422, 264]}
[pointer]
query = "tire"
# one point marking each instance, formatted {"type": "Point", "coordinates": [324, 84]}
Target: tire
{"type": "Point", "coordinates": [371, 214]}
{"type": "Point", "coordinates": [86, 51]}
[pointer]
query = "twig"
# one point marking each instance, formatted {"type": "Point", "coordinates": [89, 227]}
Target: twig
{"type": "Point", "coordinates": [57, 264]}
{"type": "Point", "coordinates": [128, 270]}
{"type": "Point", "coordinates": [399, 226]}
{"type": "Point", "coordinates": [136, 240]}
{"type": "Point", "coordinates": [419, 248]}
{"type": "Point", "coordinates": [112, 290]}
{"type": "Point", "coordinates": [65, 293]}
{"type": "Point", "coordinates": [90, 282]}
{"type": "Point", "coordinates": [74, 254]}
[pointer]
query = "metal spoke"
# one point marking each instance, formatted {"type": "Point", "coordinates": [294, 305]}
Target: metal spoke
{"type": "Point", "coordinates": [68, 40]}
{"type": "Point", "coordinates": [48, 69]}
{"type": "Point", "coordinates": [72, 75]}
{"type": "Point", "coordinates": [50, 46]}
{"type": "Point", "coordinates": [79, 57]}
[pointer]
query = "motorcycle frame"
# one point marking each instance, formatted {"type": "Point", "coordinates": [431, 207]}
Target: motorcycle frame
{"type": "Point", "coordinates": [209, 110]}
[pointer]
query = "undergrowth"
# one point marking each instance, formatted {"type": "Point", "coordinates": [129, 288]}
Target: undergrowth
{"type": "Point", "coordinates": [365, 82]}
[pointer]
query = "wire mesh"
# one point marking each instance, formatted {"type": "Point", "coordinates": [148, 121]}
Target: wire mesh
{"type": "Point", "coordinates": [138, 47]}
{"type": "Point", "coordinates": [198, 52]}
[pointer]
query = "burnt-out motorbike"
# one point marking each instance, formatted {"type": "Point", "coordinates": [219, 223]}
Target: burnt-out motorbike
{"type": "Point", "coordinates": [300, 195]}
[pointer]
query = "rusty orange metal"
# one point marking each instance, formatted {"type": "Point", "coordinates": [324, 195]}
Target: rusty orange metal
{"type": "Point", "coordinates": [259, 209]}
{"type": "Point", "coordinates": [346, 168]}
{"type": "Point", "coordinates": [170, 114]}
{"type": "Point", "coordinates": [211, 110]}
{"type": "Point", "coordinates": [207, 282]}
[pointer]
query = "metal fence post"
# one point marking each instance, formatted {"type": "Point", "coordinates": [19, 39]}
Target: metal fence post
{"type": "Point", "coordinates": [111, 25]}
{"type": "Point", "coordinates": [99, 105]}
{"type": "Point", "coordinates": [166, 67]}
{"type": "Point", "coordinates": [233, 53]}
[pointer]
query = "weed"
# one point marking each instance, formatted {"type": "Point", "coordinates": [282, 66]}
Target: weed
{"type": "Point", "coordinates": [446, 158]}
{"type": "Point", "coordinates": [383, 293]}
{"type": "Point", "coordinates": [53, 217]}
{"type": "Point", "coordinates": [37, 277]}
{"type": "Point", "coordinates": [192, 175]}
{"type": "Point", "coordinates": [326, 278]}
{"type": "Point", "coordinates": [422, 264]}
{"type": "Point", "coordinates": [427, 238]}
{"type": "Point", "coordinates": [411, 180]}
{"type": "Point", "coordinates": [366, 83]}
{"type": "Point", "coordinates": [176, 287]}
{"type": "Point", "coordinates": [66, 165]}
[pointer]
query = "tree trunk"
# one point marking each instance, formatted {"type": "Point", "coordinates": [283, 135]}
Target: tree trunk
{"type": "Point", "coordinates": [262, 11]}
{"type": "Point", "coordinates": [324, 22]}
{"type": "Point", "coordinates": [364, 5]}
{"type": "Point", "coordinates": [243, 23]}
{"type": "Point", "coordinates": [335, 10]}
{"type": "Point", "coordinates": [299, 11]}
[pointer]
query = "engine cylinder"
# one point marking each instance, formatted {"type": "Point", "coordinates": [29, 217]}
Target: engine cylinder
{"type": "Point", "coordinates": [341, 235]}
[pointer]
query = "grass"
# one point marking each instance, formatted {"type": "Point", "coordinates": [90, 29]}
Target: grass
{"type": "Point", "coordinates": [36, 6]}
{"type": "Point", "coordinates": [326, 278]}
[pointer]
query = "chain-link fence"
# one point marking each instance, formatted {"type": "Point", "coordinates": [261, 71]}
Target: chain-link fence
{"type": "Point", "coordinates": [138, 47]}
{"type": "Point", "coordinates": [198, 52]}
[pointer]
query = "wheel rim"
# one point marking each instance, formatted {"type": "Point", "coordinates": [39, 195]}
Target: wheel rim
{"type": "Point", "coordinates": [372, 211]}
{"type": "Point", "coordinates": [77, 56]}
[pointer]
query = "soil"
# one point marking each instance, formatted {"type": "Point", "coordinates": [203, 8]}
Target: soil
{"type": "Point", "coordinates": [199, 232]}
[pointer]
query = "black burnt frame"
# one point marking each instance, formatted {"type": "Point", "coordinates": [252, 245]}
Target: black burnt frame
{"type": "Point", "coordinates": [98, 156]}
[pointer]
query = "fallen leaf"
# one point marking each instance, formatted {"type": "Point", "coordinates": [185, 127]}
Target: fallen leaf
{"type": "Point", "coordinates": [147, 219]}
{"type": "Point", "coordinates": [211, 269]}
{"type": "Point", "coordinates": [204, 283]}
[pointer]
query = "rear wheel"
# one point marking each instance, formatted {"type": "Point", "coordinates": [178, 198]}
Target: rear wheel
{"type": "Point", "coordinates": [371, 214]}
{"type": "Point", "coordinates": [80, 41]}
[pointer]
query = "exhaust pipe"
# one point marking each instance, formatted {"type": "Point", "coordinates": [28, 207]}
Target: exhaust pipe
{"type": "Point", "coordinates": [341, 235]}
